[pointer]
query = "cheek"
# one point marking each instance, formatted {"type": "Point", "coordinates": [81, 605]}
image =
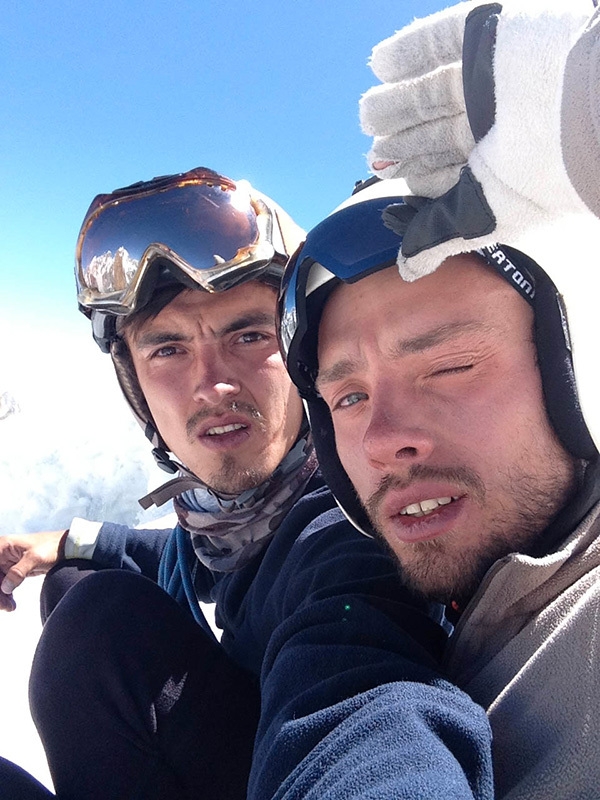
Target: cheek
{"type": "Point", "coordinates": [506, 424]}
{"type": "Point", "coordinates": [276, 396]}
{"type": "Point", "coordinates": [272, 382]}
{"type": "Point", "coordinates": [294, 410]}
{"type": "Point", "coordinates": [164, 393]}
{"type": "Point", "coordinates": [350, 452]}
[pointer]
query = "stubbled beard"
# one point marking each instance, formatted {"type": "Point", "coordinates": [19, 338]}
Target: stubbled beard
{"type": "Point", "coordinates": [231, 479]}
{"type": "Point", "coordinates": [447, 569]}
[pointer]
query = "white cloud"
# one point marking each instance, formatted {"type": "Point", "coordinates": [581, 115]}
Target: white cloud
{"type": "Point", "coordinates": [70, 447]}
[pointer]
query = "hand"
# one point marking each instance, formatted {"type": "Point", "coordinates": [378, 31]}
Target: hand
{"type": "Point", "coordinates": [490, 152]}
{"type": "Point", "coordinates": [417, 116]}
{"type": "Point", "coordinates": [24, 556]}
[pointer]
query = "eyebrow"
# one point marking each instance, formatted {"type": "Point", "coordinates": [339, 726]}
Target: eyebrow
{"type": "Point", "coordinates": [252, 319]}
{"type": "Point", "coordinates": [153, 338]}
{"type": "Point", "coordinates": [425, 341]}
{"type": "Point", "coordinates": [441, 334]}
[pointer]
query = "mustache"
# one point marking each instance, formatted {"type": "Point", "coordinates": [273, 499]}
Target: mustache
{"type": "Point", "coordinates": [235, 407]}
{"type": "Point", "coordinates": [461, 476]}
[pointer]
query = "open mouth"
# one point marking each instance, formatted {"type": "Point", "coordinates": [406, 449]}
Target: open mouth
{"type": "Point", "coordinates": [219, 430]}
{"type": "Point", "coordinates": [425, 507]}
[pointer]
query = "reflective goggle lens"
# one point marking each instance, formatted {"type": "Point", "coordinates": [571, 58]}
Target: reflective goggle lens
{"type": "Point", "coordinates": [354, 240]}
{"type": "Point", "coordinates": [349, 244]}
{"type": "Point", "coordinates": [205, 225]}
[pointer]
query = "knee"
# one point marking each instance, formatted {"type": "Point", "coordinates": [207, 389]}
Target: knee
{"type": "Point", "coordinates": [16, 784]}
{"type": "Point", "coordinates": [109, 600]}
{"type": "Point", "coordinates": [62, 577]}
{"type": "Point", "coordinates": [99, 614]}
{"type": "Point", "coordinates": [98, 623]}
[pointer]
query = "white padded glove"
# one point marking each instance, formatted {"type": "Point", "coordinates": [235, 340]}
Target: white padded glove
{"type": "Point", "coordinates": [417, 116]}
{"type": "Point", "coordinates": [490, 152]}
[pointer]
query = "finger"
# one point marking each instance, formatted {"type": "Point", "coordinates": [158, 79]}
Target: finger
{"type": "Point", "coordinates": [7, 602]}
{"type": "Point", "coordinates": [399, 106]}
{"type": "Point", "coordinates": [433, 145]}
{"type": "Point", "coordinates": [14, 577]}
{"type": "Point", "coordinates": [429, 157]}
{"type": "Point", "coordinates": [434, 183]}
{"type": "Point", "coordinates": [423, 45]}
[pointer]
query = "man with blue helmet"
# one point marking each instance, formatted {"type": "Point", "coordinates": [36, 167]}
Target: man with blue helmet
{"type": "Point", "coordinates": [446, 420]}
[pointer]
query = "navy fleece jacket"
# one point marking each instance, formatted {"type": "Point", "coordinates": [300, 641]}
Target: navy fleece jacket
{"type": "Point", "coordinates": [353, 705]}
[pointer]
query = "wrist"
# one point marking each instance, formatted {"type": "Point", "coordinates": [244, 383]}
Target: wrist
{"type": "Point", "coordinates": [61, 545]}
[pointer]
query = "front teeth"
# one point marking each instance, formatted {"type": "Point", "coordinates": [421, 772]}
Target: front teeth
{"type": "Point", "coordinates": [224, 429]}
{"type": "Point", "coordinates": [426, 506]}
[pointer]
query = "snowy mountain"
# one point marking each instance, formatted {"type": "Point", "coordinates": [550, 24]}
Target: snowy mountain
{"type": "Point", "coordinates": [69, 446]}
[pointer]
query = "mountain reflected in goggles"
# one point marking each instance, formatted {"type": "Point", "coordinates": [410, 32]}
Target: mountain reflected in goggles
{"type": "Point", "coordinates": [202, 227]}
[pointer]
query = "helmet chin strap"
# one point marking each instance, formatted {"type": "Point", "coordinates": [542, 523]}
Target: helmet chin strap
{"type": "Point", "coordinates": [182, 483]}
{"type": "Point", "coordinates": [187, 480]}
{"type": "Point", "coordinates": [169, 490]}
{"type": "Point", "coordinates": [164, 461]}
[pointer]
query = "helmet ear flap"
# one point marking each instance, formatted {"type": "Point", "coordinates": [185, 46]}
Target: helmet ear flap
{"type": "Point", "coordinates": [553, 345]}
{"type": "Point", "coordinates": [331, 467]}
{"type": "Point", "coordinates": [132, 391]}
{"type": "Point", "coordinates": [129, 384]}
{"type": "Point", "coordinates": [104, 327]}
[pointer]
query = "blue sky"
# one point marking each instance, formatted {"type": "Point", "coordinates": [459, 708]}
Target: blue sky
{"type": "Point", "coordinates": [99, 95]}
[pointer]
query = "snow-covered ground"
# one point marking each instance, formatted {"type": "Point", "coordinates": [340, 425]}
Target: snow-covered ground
{"type": "Point", "coordinates": [19, 633]}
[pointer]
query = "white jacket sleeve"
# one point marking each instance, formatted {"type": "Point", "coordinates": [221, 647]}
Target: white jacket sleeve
{"type": "Point", "coordinates": [81, 539]}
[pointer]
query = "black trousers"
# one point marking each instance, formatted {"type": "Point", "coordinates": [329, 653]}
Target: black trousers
{"type": "Point", "coordinates": [133, 700]}
{"type": "Point", "coordinates": [16, 784]}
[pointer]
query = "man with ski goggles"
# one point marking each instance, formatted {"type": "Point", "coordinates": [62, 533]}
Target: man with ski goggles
{"type": "Point", "coordinates": [131, 692]}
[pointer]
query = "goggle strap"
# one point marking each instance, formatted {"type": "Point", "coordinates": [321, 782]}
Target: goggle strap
{"type": "Point", "coordinates": [104, 330]}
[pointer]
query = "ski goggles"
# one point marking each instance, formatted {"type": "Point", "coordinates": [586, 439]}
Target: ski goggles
{"type": "Point", "coordinates": [210, 228]}
{"type": "Point", "coordinates": [346, 246]}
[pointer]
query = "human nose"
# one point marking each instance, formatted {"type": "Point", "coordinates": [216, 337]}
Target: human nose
{"type": "Point", "coordinates": [397, 432]}
{"type": "Point", "coordinates": [213, 381]}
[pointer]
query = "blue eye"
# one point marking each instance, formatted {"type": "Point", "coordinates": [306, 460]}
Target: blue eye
{"type": "Point", "coordinates": [252, 336]}
{"type": "Point", "coordinates": [165, 352]}
{"type": "Point", "coordinates": [351, 399]}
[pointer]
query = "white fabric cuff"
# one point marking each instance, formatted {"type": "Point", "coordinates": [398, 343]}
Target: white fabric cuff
{"type": "Point", "coordinates": [81, 539]}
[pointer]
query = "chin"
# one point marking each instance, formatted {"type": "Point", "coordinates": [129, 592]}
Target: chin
{"type": "Point", "coordinates": [436, 571]}
{"type": "Point", "coordinates": [232, 479]}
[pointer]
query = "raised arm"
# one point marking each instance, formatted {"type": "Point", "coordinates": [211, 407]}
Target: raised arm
{"type": "Point", "coordinates": [493, 110]}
